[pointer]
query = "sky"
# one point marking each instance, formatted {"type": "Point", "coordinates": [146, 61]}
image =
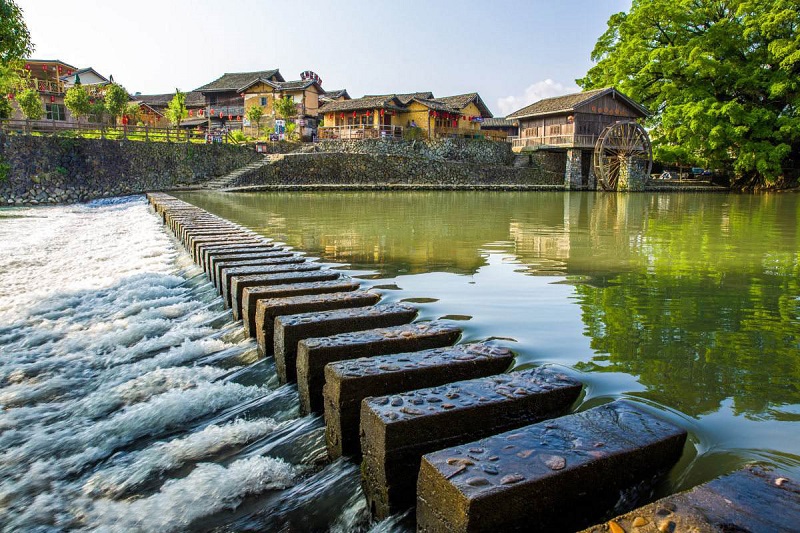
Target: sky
{"type": "Point", "coordinates": [512, 52]}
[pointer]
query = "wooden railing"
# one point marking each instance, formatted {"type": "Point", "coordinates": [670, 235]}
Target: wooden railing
{"type": "Point", "coordinates": [366, 131]}
{"type": "Point", "coordinates": [102, 131]}
{"type": "Point", "coordinates": [48, 86]}
{"type": "Point", "coordinates": [560, 141]}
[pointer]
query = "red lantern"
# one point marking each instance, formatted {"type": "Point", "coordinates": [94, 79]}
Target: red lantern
{"type": "Point", "coordinates": [354, 114]}
{"type": "Point", "coordinates": [369, 114]}
{"type": "Point", "coordinates": [44, 67]}
{"type": "Point", "coordinates": [52, 98]}
{"type": "Point", "coordinates": [381, 112]}
{"type": "Point", "coordinates": [27, 66]}
{"type": "Point", "coordinates": [191, 113]}
{"type": "Point", "coordinates": [241, 94]}
{"type": "Point", "coordinates": [69, 73]}
{"type": "Point", "coordinates": [220, 114]}
{"type": "Point", "coordinates": [342, 116]}
{"type": "Point", "coordinates": [59, 69]}
{"type": "Point", "coordinates": [212, 110]}
{"type": "Point", "coordinates": [238, 117]}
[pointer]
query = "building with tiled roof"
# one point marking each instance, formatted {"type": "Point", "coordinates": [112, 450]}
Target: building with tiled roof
{"type": "Point", "coordinates": [338, 94]}
{"type": "Point", "coordinates": [224, 98]}
{"type": "Point", "coordinates": [573, 120]}
{"type": "Point", "coordinates": [388, 114]}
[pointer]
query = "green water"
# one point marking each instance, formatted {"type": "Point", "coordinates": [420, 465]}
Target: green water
{"type": "Point", "coordinates": [688, 302]}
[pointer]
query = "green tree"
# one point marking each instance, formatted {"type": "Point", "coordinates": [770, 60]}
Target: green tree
{"type": "Point", "coordinates": [254, 114]}
{"type": "Point", "coordinates": [31, 104]}
{"type": "Point", "coordinates": [116, 100]}
{"type": "Point", "coordinates": [133, 112]}
{"type": "Point", "coordinates": [77, 101]}
{"type": "Point", "coordinates": [176, 110]}
{"type": "Point", "coordinates": [721, 77]}
{"type": "Point", "coordinates": [284, 107]}
{"type": "Point", "coordinates": [15, 41]}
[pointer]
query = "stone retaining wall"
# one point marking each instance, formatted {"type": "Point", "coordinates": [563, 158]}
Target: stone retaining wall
{"type": "Point", "coordinates": [41, 170]}
{"type": "Point", "coordinates": [376, 170]}
{"type": "Point", "coordinates": [450, 149]}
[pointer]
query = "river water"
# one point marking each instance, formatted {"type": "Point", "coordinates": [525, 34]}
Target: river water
{"type": "Point", "coordinates": [130, 400]}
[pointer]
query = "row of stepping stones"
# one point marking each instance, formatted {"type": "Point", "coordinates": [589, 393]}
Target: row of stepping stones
{"type": "Point", "coordinates": [441, 426]}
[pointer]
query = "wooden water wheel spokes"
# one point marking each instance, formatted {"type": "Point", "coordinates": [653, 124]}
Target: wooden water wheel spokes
{"type": "Point", "coordinates": [622, 147]}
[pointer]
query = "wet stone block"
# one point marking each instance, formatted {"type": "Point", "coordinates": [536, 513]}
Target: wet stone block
{"type": "Point", "coordinates": [223, 271]}
{"type": "Point", "coordinates": [750, 500]}
{"type": "Point", "coordinates": [290, 330]}
{"type": "Point", "coordinates": [218, 262]}
{"type": "Point", "coordinates": [208, 252]}
{"type": "Point", "coordinates": [197, 251]}
{"type": "Point", "coordinates": [314, 353]}
{"type": "Point", "coordinates": [349, 382]}
{"type": "Point", "coordinates": [243, 253]}
{"type": "Point", "coordinates": [185, 234]}
{"type": "Point", "coordinates": [268, 310]}
{"type": "Point", "coordinates": [234, 280]}
{"type": "Point", "coordinates": [397, 430]}
{"type": "Point", "coordinates": [251, 296]}
{"type": "Point", "coordinates": [282, 278]}
{"type": "Point", "coordinates": [556, 475]}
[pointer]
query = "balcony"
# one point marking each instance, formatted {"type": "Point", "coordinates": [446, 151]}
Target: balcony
{"type": "Point", "coordinates": [567, 140]}
{"type": "Point", "coordinates": [360, 131]}
{"type": "Point", "coordinates": [47, 86]}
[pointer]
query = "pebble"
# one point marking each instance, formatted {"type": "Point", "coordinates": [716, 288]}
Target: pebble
{"type": "Point", "coordinates": [397, 401]}
{"type": "Point", "coordinates": [554, 462]}
{"type": "Point", "coordinates": [614, 527]}
{"type": "Point", "coordinates": [510, 479]}
{"type": "Point", "coordinates": [478, 481]}
{"type": "Point", "coordinates": [410, 411]}
{"type": "Point", "coordinates": [640, 521]}
{"type": "Point", "coordinates": [383, 400]}
{"type": "Point", "coordinates": [489, 469]}
{"type": "Point", "coordinates": [448, 406]}
{"type": "Point", "coordinates": [389, 368]}
{"type": "Point", "coordinates": [667, 526]}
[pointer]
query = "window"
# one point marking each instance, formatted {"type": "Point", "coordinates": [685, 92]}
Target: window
{"type": "Point", "coordinates": [263, 101]}
{"type": "Point", "coordinates": [55, 112]}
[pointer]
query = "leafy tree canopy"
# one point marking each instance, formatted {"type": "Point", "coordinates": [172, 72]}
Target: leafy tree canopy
{"type": "Point", "coordinates": [15, 41]}
{"type": "Point", "coordinates": [722, 78]}
{"type": "Point", "coordinates": [77, 100]}
{"type": "Point", "coordinates": [176, 110]}
{"type": "Point", "coordinates": [284, 107]}
{"type": "Point", "coordinates": [31, 104]}
{"type": "Point", "coordinates": [254, 113]}
{"type": "Point", "coordinates": [116, 100]}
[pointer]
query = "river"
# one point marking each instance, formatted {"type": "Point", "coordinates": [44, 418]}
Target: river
{"type": "Point", "coordinates": [131, 400]}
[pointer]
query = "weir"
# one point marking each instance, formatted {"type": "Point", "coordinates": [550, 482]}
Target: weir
{"type": "Point", "coordinates": [446, 428]}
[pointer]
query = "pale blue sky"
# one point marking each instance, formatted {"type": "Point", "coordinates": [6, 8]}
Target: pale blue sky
{"type": "Point", "coordinates": [511, 51]}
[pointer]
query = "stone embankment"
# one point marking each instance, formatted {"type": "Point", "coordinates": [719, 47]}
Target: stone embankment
{"type": "Point", "coordinates": [441, 426]}
{"type": "Point", "coordinates": [47, 170]}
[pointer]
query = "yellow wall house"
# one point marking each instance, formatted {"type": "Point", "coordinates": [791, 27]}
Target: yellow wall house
{"type": "Point", "coordinates": [263, 93]}
{"type": "Point", "coordinates": [389, 115]}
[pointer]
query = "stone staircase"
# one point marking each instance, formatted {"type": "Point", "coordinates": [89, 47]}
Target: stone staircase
{"type": "Point", "coordinates": [227, 180]}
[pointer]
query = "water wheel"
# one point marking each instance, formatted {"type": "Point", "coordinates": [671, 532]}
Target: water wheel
{"type": "Point", "coordinates": [622, 147]}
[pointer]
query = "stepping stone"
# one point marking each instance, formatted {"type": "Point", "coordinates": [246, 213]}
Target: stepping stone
{"type": "Point", "coordinates": [291, 329]}
{"type": "Point", "coordinates": [219, 261]}
{"type": "Point", "coordinates": [268, 310]}
{"type": "Point", "coordinates": [557, 474]}
{"type": "Point", "coordinates": [751, 499]}
{"type": "Point", "coordinates": [197, 251]}
{"type": "Point", "coordinates": [234, 280]}
{"type": "Point", "coordinates": [205, 256]}
{"type": "Point", "coordinates": [251, 296]}
{"type": "Point", "coordinates": [313, 354]}
{"type": "Point", "coordinates": [397, 430]}
{"type": "Point", "coordinates": [283, 278]}
{"type": "Point", "coordinates": [349, 382]}
{"type": "Point", "coordinates": [222, 272]}
{"type": "Point", "coordinates": [270, 251]}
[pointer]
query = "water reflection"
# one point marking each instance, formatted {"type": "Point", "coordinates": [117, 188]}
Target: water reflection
{"type": "Point", "coordinates": [695, 297]}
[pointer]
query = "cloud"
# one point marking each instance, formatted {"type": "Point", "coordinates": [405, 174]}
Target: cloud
{"type": "Point", "coordinates": [535, 92]}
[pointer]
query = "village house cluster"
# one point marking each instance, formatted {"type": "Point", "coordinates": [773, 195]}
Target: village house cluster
{"type": "Point", "coordinates": [569, 124]}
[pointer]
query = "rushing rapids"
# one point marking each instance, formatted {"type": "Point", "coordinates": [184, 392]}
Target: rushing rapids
{"type": "Point", "coordinates": [129, 398]}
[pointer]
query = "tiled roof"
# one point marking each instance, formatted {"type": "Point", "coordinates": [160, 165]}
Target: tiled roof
{"type": "Point", "coordinates": [232, 81]}
{"type": "Point", "coordinates": [569, 102]}
{"type": "Point", "coordinates": [333, 95]}
{"type": "Point", "coordinates": [404, 98]}
{"type": "Point", "coordinates": [193, 99]}
{"type": "Point", "coordinates": [435, 105]}
{"type": "Point", "coordinates": [498, 123]}
{"type": "Point", "coordinates": [460, 101]}
{"type": "Point", "coordinates": [31, 60]}
{"type": "Point", "coordinates": [367, 102]}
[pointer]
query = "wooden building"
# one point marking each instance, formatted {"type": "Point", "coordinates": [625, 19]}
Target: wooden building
{"type": "Point", "coordinates": [305, 93]}
{"type": "Point", "coordinates": [388, 115]}
{"type": "Point", "coordinates": [571, 124]}
{"type": "Point", "coordinates": [153, 108]}
{"type": "Point", "coordinates": [224, 98]}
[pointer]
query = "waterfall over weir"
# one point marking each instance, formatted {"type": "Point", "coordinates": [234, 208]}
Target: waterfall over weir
{"type": "Point", "coordinates": [130, 400]}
